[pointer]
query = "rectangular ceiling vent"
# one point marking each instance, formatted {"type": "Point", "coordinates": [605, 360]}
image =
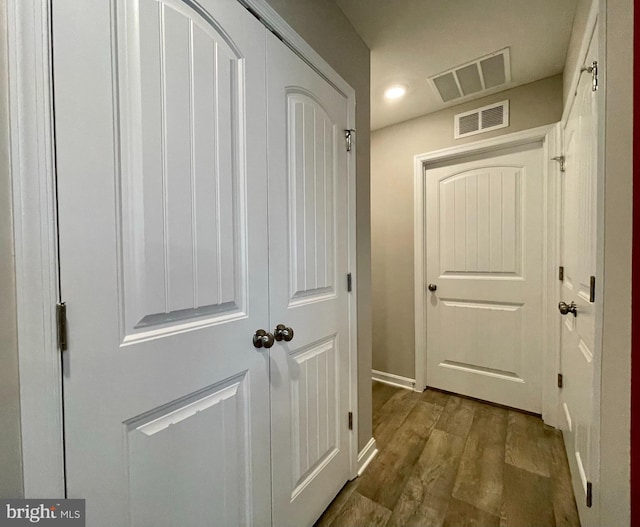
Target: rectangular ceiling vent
{"type": "Point", "coordinates": [480, 75]}
{"type": "Point", "coordinates": [481, 120]}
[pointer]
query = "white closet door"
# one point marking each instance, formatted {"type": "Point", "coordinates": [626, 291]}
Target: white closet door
{"type": "Point", "coordinates": [161, 156]}
{"type": "Point", "coordinates": [308, 289]}
{"type": "Point", "coordinates": [578, 333]}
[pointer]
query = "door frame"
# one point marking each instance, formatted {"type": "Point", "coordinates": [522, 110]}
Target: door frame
{"type": "Point", "coordinates": [32, 151]}
{"type": "Point", "coordinates": [549, 136]}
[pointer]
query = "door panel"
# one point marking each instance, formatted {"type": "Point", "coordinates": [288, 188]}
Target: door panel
{"type": "Point", "coordinates": [480, 222]}
{"type": "Point", "coordinates": [195, 451]}
{"type": "Point", "coordinates": [182, 169]}
{"type": "Point", "coordinates": [308, 267]}
{"type": "Point", "coordinates": [578, 253]}
{"type": "Point", "coordinates": [484, 254]}
{"type": "Point", "coordinates": [161, 154]}
{"type": "Point", "coordinates": [312, 141]}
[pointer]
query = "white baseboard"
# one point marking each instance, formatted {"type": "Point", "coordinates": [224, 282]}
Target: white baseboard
{"type": "Point", "coordinates": [366, 455]}
{"type": "Point", "coordinates": [393, 379]}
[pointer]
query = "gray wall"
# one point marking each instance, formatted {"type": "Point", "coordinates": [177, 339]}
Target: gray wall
{"type": "Point", "coordinates": [323, 25]}
{"type": "Point", "coordinates": [392, 152]}
{"type": "Point", "coordinates": [613, 489]}
{"type": "Point", "coordinates": [579, 23]}
{"type": "Point", "coordinates": [10, 444]}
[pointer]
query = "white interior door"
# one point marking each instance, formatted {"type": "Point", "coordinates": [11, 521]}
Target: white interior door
{"type": "Point", "coordinates": [578, 256]}
{"type": "Point", "coordinates": [308, 191]}
{"type": "Point", "coordinates": [484, 256]}
{"type": "Point", "coordinates": [161, 156]}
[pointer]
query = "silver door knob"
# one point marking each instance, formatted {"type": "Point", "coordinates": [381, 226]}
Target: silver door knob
{"type": "Point", "coordinates": [432, 287]}
{"type": "Point", "coordinates": [263, 339]}
{"type": "Point", "coordinates": [565, 308]}
{"type": "Point", "coordinates": [282, 332]}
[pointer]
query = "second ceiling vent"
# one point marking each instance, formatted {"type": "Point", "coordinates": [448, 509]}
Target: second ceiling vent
{"type": "Point", "coordinates": [481, 120]}
{"type": "Point", "coordinates": [482, 74]}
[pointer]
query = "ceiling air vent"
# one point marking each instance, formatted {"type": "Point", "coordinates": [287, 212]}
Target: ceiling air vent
{"type": "Point", "coordinates": [481, 120]}
{"type": "Point", "coordinates": [480, 75]}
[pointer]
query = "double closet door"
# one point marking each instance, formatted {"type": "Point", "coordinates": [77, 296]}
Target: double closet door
{"type": "Point", "coordinates": [202, 192]}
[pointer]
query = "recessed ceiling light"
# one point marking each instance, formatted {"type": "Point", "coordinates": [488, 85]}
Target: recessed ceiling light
{"type": "Point", "coordinates": [395, 92]}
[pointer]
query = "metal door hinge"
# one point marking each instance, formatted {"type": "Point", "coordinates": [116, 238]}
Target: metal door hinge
{"type": "Point", "coordinates": [350, 420]}
{"type": "Point", "coordinates": [589, 494]}
{"type": "Point", "coordinates": [349, 285]}
{"type": "Point", "coordinates": [561, 160]}
{"type": "Point", "coordinates": [348, 134]}
{"type": "Point", "coordinates": [592, 289]}
{"type": "Point", "coordinates": [560, 380]}
{"type": "Point", "coordinates": [561, 273]}
{"type": "Point", "coordinates": [593, 69]}
{"type": "Point", "coordinates": [61, 323]}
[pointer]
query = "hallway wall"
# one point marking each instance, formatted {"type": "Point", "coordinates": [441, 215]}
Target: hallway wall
{"type": "Point", "coordinates": [392, 152]}
{"type": "Point", "coordinates": [613, 490]}
{"type": "Point", "coordinates": [323, 25]}
{"type": "Point", "coordinates": [583, 7]}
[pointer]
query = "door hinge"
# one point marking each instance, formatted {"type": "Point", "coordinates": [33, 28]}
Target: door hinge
{"type": "Point", "coordinates": [589, 494]}
{"type": "Point", "coordinates": [349, 284]}
{"type": "Point", "coordinates": [561, 160]}
{"type": "Point", "coordinates": [592, 289]}
{"type": "Point", "coordinates": [593, 69]}
{"type": "Point", "coordinates": [561, 273]}
{"type": "Point", "coordinates": [350, 420]}
{"type": "Point", "coordinates": [348, 136]}
{"type": "Point", "coordinates": [61, 323]}
{"type": "Point", "coordinates": [560, 380]}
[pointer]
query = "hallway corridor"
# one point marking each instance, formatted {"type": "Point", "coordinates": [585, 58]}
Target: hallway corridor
{"type": "Point", "coordinates": [445, 460]}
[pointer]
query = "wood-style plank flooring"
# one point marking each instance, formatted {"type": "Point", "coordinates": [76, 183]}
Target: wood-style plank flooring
{"type": "Point", "coordinates": [446, 460]}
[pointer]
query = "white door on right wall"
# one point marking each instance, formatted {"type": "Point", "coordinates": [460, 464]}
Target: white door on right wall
{"type": "Point", "coordinates": [484, 270]}
{"type": "Point", "coordinates": [578, 257]}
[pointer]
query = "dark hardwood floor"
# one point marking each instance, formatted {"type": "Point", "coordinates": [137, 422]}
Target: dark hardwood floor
{"type": "Point", "coordinates": [445, 460]}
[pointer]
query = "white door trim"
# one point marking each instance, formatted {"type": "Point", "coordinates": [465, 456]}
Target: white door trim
{"type": "Point", "coordinates": [35, 234]}
{"type": "Point", "coordinates": [545, 134]}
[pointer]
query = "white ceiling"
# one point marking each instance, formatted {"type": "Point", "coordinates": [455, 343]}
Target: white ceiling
{"type": "Point", "coordinates": [411, 40]}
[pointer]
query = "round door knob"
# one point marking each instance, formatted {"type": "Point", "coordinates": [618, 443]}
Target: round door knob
{"type": "Point", "coordinates": [432, 287]}
{"type": "Point", "coordinates": [282, 332]}
{"type": "Point", "coordinates": [565, 308]}
{"type": "Point", "coordinates": [263, 339]}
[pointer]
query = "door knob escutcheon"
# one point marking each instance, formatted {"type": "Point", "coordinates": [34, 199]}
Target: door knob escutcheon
{"type": "Point", "coordinates": [263, 339]}
{"type": "Point", "coordinates": [282, 332]}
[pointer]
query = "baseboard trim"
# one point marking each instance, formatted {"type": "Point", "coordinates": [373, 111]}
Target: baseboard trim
{"type": "Point", "coordinates": [393, 379]}
{"type": "Point", "coordinates": [366, 455]}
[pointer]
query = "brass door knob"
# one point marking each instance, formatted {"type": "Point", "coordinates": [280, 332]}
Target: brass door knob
{"type": "Point", "coordinates": [432, 287]}
{"type": "Point", "coordinates": [282, 332]}
{"type": "Point", "coordinates": [263, 339]}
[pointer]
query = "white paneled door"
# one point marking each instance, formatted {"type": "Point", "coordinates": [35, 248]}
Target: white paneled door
{"type": "Point", "coordinates": [308, 293]}
{"type": "Point", "coordinates": [179, 238]}
{"type": "Point", "coordinates": [484, 276]}
{"type": "Point", "coordinates": [578, 256]}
